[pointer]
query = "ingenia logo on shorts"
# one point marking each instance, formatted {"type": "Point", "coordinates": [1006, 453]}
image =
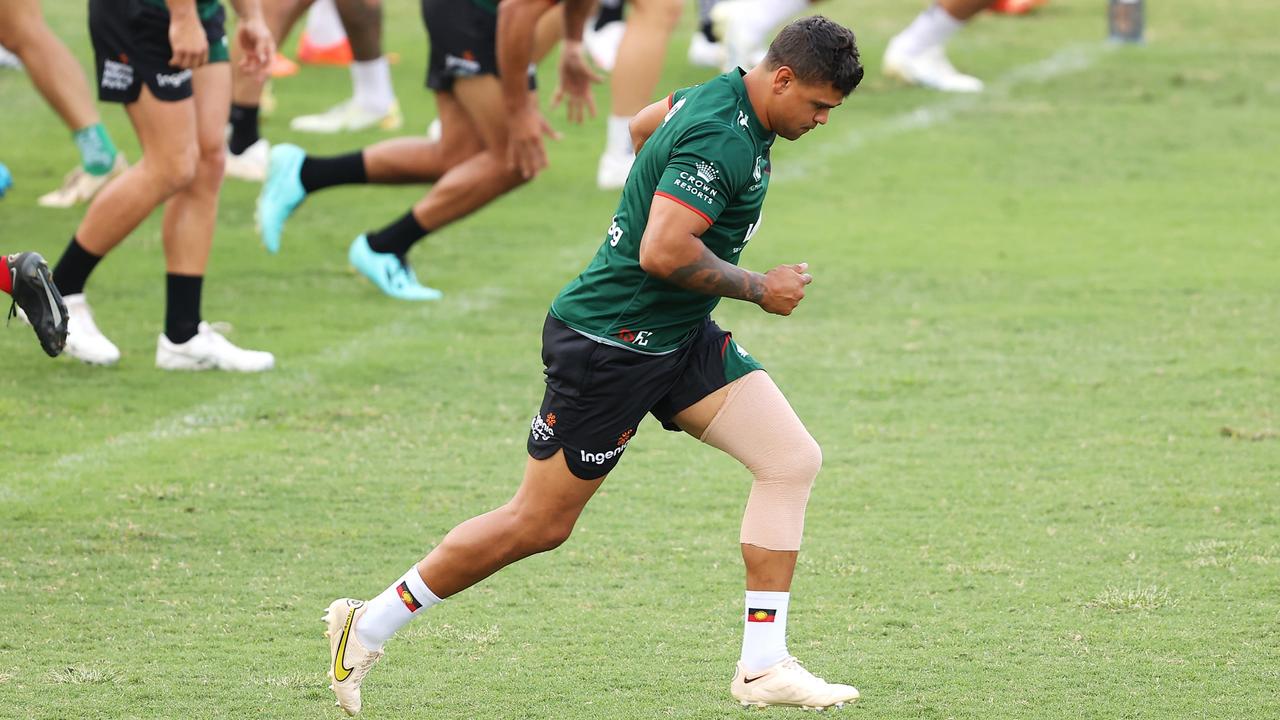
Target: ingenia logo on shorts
{"type": "Point", "coordinates": [600, 458]}
{"type": "Point", "coordinates": [173, 80]}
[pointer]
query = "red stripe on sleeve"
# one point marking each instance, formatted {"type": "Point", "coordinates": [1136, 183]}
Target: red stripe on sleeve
{"type": "Point", "coordinates": [675, 199]}
{"type": "Point", "coordinates": [671, 100]}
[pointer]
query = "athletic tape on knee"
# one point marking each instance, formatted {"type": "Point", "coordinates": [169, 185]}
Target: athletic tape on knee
{"type": "Point", "coordinates": [757, 426]}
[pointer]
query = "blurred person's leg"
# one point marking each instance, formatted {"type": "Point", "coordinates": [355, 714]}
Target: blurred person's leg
{"type": "Point", "coordinates": [633, 82]}
{"type": "Point", "coordinates": [61, 81]}
{"type": "Point", "coordinates": [190, 216]}
{"type": "Point", "coordinates": [917, 55]}
{"type": "Point", "coordinates": [373, 102]}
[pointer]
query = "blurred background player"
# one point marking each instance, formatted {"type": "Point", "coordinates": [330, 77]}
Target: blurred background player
{"type": "Point", "coordinates": [479, 70]}
{"type": "Point", "coordinates": [372, 104]}
{"type": "Point", "coordinates": [636, 66]}
{"type": "Point", "coordinates": [916, 56]}
{"type": "Point", "coordinates": [59, 78]}
{"type": "Point", "coordinates": [25, 278]}
{"type": "Point", "coordinates": [167, 64]}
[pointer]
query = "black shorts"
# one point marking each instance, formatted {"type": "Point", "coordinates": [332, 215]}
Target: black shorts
{"type": "Point", "coordinates": [463, 37]}
{"type": "Point", "coordinates": [597, 394]}
{"type": "Point", "coordinates": [131, 47]}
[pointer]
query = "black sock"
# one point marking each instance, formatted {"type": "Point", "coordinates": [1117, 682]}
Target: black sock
{"type": "Point", "coordinates": [319, 173]}
{"type": "Point", "coordinates": [709, 31]}
{"type": "Point", "coordinates": [244, 128]}
{"type": "Point", "coordinates": [182, 307]}
{"type": "Point", "coordinates": [73, 268]}
{"type": "Point", "coordinates": [397, 237]}
{"type": "Point", "coordinates": [609, 12]}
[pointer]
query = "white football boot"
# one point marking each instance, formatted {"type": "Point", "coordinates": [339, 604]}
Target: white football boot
{"type": "Point", "coordinates": [209, 350]}
{"type": "Point", "coordinates": [704, 53]}
{"type": "Point", "coordinates": [79, 186]}
{"type": "Point", "coordinates": [602, 45]}
{"type": "Point", "coordinates": [85, 342]}
{"type": "Point", "coordinates": [251, 164]}
{"type": "Point", "coordinates": [613, 170]}
{"type": "Point", "coordinates": [928, 68]}
{"type": "Point", "coordinates": [349, 661]}
{"type": "Point", "coordinates": [788, 683]}
{"type": "Point", "coordinates": [348, 116]}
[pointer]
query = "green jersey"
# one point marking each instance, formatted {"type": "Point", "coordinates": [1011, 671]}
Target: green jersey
{"type": "Point", "coordinates": [711, 154]}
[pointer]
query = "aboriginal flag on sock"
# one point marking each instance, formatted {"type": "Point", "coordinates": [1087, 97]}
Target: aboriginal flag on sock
{"type": "Point", "coordinates": [407, 597]}
{"type": "Point", "coordinates": [761, 615]}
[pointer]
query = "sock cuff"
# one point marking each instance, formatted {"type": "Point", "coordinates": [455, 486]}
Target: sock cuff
{"type": "Point", "coordinates": [768, 596]}
{"type": "Point", "coordinates": [418, 590]}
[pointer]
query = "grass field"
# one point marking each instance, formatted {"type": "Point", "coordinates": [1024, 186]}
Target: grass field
{"type": "Point", "coordinates": [1040, 354]}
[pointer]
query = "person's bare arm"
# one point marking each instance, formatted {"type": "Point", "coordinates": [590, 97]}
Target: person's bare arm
{"type": "Point", "coordinates": [646, 122]}
{"type": "Point", "coordinates": [186, 35]}
{"type": "Point", "coordinates": [672, 250]}
{"type": "Point", "coordinates": [526, 126]}
{"type": "Point", "coordinates": [576, 76]}
{"type": "Point", "coordinates": [257, 45]}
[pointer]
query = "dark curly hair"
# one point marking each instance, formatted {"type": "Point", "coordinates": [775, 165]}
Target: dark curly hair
{"type": "Point", "coordinates": [818, 50]}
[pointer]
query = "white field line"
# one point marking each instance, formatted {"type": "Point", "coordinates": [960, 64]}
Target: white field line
{"type": "Point", "coordinates": [816, 158]}
{"type": "Point", "coordinates": [297, 375]}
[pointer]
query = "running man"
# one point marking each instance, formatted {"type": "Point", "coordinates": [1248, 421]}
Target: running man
{"type": "Point", "coordinates": [633, 335]}
{"type": "Point", "coordinates": [479, 69]}
{"type": "Point", "coordinates": [166, 62]}
{"type": "Point", "coordinates": [25, 278]}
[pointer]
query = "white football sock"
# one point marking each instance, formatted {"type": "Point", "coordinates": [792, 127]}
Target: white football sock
{"type": "Point", "coordinates": [764, 632]}
{"type": "Point", "coordinates": [931, 28]}
{"type": "Point", "coordinates": [393, 609]}
{"type": "Point", "coordinates": [324, 25]}
{"type": "Point", "coordinates": [618, 137]}
{"type": "Point", "coordinates": [371, 85]}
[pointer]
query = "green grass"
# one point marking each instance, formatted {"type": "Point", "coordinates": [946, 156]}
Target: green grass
{"type": "Point", "coordinates": [1040, 354]}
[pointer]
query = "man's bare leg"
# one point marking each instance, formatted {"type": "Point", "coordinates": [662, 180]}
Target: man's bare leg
{"type": "Point", "coordinates": [247, 150]}
{"type": "Point", "coordinates": [635, 76]}
{"type": "Point", "coordinates": [783, 459]}
{"type": "Point", "coordinates": [538, 518]}
{"type": "Point", "coordinates": [373, 102]}
{"type": "Point", "coordinates": [61, 81]}
{"type": "Point", "coordinates": [917, 55]}
{"type": "Point", "coordinates": [190, 216]}
{"type": "Point", "coordinates": [466, 187]}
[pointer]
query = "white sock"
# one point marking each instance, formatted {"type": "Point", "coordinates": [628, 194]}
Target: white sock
{"type": "Point", "coordinates": [618, 137]}
{"type": "Point", "coordinates": [764, 632]}
{"type": "Point", "coordinates": [394, 608]}
{"type": "Point", "coordinates": [324, 25]}
{"type": "Point", "coordinates": [371, 85]}
{"type": "Point", "coordinates": [931, 28]}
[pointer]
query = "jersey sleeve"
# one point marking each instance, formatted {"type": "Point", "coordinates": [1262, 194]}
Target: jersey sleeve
{"type": "Point", "coordinates": [706, 169]}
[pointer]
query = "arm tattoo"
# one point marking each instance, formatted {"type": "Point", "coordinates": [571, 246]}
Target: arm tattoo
{"type": "Point", "coordinates": [713, 276]}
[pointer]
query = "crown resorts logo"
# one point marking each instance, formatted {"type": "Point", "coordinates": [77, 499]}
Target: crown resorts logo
{"type": "Point", "coordinates": [707, 172]}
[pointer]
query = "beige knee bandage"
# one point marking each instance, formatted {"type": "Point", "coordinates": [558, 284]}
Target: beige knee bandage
{"type": "Point", "coordinates": [757, 426]}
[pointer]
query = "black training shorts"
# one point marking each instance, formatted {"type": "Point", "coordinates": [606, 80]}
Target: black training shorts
{"type": "Point", "coordinates": [597, 394]}
{"type": "Point", "coordinates": [463, 35]}
{"type": "Point", "coordinates": [131, 47]}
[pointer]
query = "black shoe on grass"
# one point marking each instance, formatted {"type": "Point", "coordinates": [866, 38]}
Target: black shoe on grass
{"type": "Point", "coordinates": [35, 293]}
